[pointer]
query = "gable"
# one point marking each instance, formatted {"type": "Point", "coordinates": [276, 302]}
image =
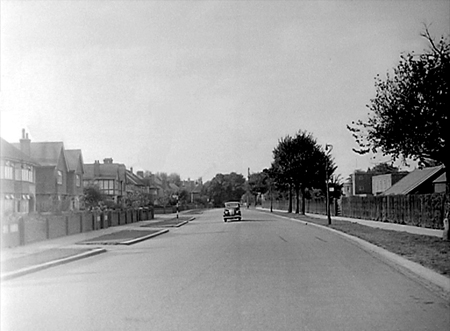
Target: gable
{"type": "Point", "coordinates": [412, 182]}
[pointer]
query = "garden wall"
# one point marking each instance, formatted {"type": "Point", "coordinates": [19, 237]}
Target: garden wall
{"type": "Point", "coordinates": [23, 229]}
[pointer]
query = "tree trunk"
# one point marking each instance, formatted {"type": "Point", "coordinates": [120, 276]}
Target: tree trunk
{"type": "Point", "coordinates": [290, 199]}
{"type": "Point", "coordinates": [297, 198]}
{"type": "Point", "coordinates": [303, 201]}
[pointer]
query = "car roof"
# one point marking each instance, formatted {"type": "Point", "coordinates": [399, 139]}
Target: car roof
{"type": "Point", "coordinates": [232, 202]}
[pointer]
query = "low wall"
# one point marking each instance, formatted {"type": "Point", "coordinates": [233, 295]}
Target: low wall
{"type": "Point", "coordinates": [23, 229]}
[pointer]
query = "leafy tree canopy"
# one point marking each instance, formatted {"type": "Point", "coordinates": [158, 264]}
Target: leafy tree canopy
{"type": "Point", "coordinates": [226, 187]}
{"type": "Point", "coordinates": [408, 117]}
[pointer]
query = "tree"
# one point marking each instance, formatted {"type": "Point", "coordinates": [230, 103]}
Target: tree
{"type": "Point", "coordinates": [226, 187]}
{"type": "Point", "coordinates": [174, 178]}
{"type": "Point", "coordinates": [382, 169]}
{"type": "Point", "coordinates": [281, 167]}
{"type": "Point", "coordinates": [408, 117]}
{"type": "Point", "coordinates": [301, 163]}
{"type": "Point", "coordinates": [258, 184]}
{"type": "Point", "coordinates": [92, 196]}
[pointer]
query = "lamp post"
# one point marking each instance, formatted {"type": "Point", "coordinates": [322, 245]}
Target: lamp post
{"type": "Point", "coordinates": [330, 148]}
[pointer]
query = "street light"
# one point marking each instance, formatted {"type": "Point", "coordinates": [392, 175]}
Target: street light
{"type": "Point", "coordinates": [330, 147]}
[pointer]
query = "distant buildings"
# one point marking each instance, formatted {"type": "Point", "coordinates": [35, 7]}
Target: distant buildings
{"type": "Point", "coordinates": [109, 177]}
{"type": "Point", "coordinates": [420, 181]}
{"type": "Point", "coordinates": [381, 183]}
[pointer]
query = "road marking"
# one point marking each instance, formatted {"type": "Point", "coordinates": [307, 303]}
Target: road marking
{"type": "Point", "coordinates": [321, 239]}
{"type": "Point", "coordinates": [283, 239]}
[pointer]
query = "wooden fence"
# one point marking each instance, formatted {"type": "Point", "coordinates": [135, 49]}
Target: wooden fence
{"type": "Point", "coordinates": [424, 210]}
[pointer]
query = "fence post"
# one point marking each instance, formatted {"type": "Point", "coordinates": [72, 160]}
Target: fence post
{"type": "Point", "coordinates": [21, 231]}
{"type": "Point", "coordinates": [47, 228]}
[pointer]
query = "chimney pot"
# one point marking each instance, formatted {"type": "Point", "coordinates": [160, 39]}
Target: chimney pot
{"type": "Point", "coordinates": [25, 144]}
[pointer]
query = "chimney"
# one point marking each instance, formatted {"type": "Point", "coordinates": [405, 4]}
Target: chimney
{"type": "Point", "coordinates": [96, 169]}
{"type": "Point", "coordinates": [131, 169]}
{"type": "Point", "coordinates": [108, 160]}
{"type": "Point", "coordinates": [25, 144]}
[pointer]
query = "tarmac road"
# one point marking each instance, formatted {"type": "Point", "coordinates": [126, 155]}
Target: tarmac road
{"type": "Point", "coordinates": [262, 273]}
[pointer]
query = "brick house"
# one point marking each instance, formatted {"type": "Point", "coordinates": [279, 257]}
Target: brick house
{"type": "Point", "coordinates": [51, 173]}
{"type": "Point", "coordinates": [17, 181]}
{"type": "Point", "coordinates": [75, 177]}
{"type": "Point", "coordinates": [109, 177]}
{"type": "Point", "coordinates": [361, 183]}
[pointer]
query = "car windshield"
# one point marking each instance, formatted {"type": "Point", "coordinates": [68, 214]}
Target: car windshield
{"type": "Point", "coordinates": [232, 204]}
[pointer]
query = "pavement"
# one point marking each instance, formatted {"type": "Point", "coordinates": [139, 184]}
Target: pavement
{"type": "Point", "coordinates": [22, 260]}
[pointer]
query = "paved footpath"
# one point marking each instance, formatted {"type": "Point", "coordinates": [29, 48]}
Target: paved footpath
{"type": "Point", "coordinates": [21, 260]}
{"type": "Point", "coordinates": [375, 224]}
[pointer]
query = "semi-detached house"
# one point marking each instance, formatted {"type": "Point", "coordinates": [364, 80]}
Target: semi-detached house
{"type": "Point", "coordinates": [17, 181]}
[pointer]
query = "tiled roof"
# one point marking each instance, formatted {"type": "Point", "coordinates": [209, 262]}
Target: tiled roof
{"type": "Point", "coordinates": [173, 187]}
{"type": "Point", "coordinates": [106, 170]}
{"type": "Point", "coordinates": [46, 153]}
{"type": "Point", "coordinates": [9, 151]}
{"type": "Point", "coordinates": [73, 157]}
{"type": "Point", "coordinates": [413, 180]}
{"type": "Point", "coordinates": [134, 179]}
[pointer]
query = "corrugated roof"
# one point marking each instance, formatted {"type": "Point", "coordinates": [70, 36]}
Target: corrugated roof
{"type": "Point", "coordinates": [11, 152]}
{"type": "Point", "coordinates": [411, 181]}
{"type": "Point", "coordinates": [441, 179]}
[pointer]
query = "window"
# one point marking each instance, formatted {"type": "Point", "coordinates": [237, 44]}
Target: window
{"type": "Point", "coordinates": [31, 174]}
{"type": "Point", "coordinates": [9, 171]}
{"type": "Point", "coordinates": [17, 172]}
{"type": "Point", "coordinates": [59, 177]}
{"type": "Point", "coordinates": [78, 180]}
{"type": "Point", "coordinates": [25, 175]}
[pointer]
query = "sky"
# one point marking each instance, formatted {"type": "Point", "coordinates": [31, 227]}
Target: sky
{"type": "Point", "coordinates": [201, 87]}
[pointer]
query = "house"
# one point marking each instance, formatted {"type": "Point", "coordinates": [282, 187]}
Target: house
{"type": "Point", "coordinates": [193, 187]}
{"type": "Point", "coordinates": [17, 180]}
{"type": "Point", "coordinates": [75, 177]}
{"type": "Point", "coordinates": [440, 183]}
{"type": "Point", "coordinates": [110, 178]}
{"type": "Point", "coordinates": [347, 188]}
{"type": "Point", "coordinates": [361, 183]}
{"type": "Point", "coordinates": [381, 183]}
{"type": "Point", "coordinates": [149, 183]}
{"type": "Point", "coordinates": [138, 193]}
{"type": "Point", "coordinates": [51, 173]}
{"type": "Point", "coordinates": [419, 181]}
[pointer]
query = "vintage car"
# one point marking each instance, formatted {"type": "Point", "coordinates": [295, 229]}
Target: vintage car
{"type": "Point", "coordinates": [232, 211]}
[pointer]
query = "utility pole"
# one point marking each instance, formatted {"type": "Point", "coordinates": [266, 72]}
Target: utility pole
{"type": "Point", "coordinates": [248, 185]}
{"type": "Point", "coordinates": [328, 146]}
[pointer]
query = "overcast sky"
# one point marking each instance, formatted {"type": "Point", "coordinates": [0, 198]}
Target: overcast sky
{"type": "Point", "coordinates": [201, 87]}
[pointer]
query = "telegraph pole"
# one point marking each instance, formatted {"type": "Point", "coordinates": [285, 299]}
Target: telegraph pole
{"type": "Point", "coordinates": [248, 185]}
{"type": "Point", "coordinates": [327, 146]}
